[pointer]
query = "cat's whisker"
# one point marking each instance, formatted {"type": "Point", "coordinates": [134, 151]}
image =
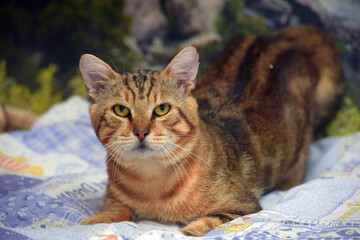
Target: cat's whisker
{"type": "Point", "coordinates": [111, 155]}
{"type": "Point", "coordinates": [191, 153]}
{"type": "Point", "coordinates": [109, 145]}
{"type": "Point", "coordinates": [175, 160]}
{"type": "Point", "coordinates": [97, 154]}
{"type": "Point", "coordinates": [108, 136]}
{"type": "Point", "coordinates": [106, 146]}
{"type": "Point", "coordinates": [170, 159]}
{"type": "Point", "coordinates": [192, 188]}
{"type": "Point", "coordinates": [179, 135]}
{"type": "Point", "coordinates": [113, 65]}
{"type": "Point", "coordinates": [119, 153]}
{"type": "Point", "coordinates": [114, 170]}
{"type": "Point", "coordinates": [183, 158]}
{"type": "Point", "coordinates": [174, 149]}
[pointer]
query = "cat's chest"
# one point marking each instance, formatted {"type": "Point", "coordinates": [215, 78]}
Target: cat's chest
{"type": "Point", "coordinates": [166, 206]}
{"type": "Point", "coordinates": [164, 198]}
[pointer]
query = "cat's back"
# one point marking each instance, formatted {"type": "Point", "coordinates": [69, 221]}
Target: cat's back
{"type": "Point", "coordinates": [299, 63]}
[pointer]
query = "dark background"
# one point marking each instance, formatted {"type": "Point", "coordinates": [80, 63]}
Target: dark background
{"type": "Point", "coordinates": [41, 41]}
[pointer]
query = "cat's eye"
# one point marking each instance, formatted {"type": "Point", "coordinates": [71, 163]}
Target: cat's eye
{"type": "Point", "coordinates": [121, 111]}
{"type": "Point", "coordinates": [162, 109]}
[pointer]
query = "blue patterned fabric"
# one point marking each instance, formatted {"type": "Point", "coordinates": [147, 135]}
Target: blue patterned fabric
{"type": "Point", "coordinates": [53, 176]}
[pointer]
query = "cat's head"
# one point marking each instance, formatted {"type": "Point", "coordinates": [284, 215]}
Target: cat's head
{"type": "Point", "coordinates": [143, 114]}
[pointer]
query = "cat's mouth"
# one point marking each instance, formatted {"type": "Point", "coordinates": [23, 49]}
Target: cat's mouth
{"type": "Point", "coordinates": [142, 148]}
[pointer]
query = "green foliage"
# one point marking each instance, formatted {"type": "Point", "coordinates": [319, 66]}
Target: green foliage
{"type": "Point", "coordinates": [21, 96]}
{"type": "Point", "coordinates": [340, 45]}
{"type": "Point", "coordinates": [44, 96]}
{"type": "Point", "coordinates": [234, 22]}
{"type": "Point", "coordinates": [33, 35]}
{"type": "Point", "coordinates": [77, 86]}
{"type": "Point", "coordinates": [3, 80]}
{"type": "Point", "coordinates": [352, 91]}
{"type": "Point", "coordinates": [346, 121]}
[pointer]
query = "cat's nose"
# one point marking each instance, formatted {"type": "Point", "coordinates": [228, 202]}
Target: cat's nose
{"type": "Point", "coordinates": [141, 133]}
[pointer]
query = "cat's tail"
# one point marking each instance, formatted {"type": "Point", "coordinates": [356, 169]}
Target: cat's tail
{"type": "Point", "coordinates": [328, 94]}
{"type": "Point", "coordinates": [330, 85]}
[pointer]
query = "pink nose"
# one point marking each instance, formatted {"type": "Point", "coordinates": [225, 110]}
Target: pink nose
{"type": "Point", "coordinates": [141, 133]}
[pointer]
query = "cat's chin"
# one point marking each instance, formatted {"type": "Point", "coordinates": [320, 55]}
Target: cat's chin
{"type": "Point", "coordinates": [142, 150]}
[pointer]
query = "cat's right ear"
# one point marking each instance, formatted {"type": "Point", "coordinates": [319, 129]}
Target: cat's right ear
{"type": "Point", "coordinates": [183, 68]}
{"type": "Point", "coordinates": [95, 73]}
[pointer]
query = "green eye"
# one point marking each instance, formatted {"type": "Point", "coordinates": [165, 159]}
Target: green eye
{"type": "Point", "coordinates": [121, 111]}
{"type": "Point", "coordinates": [162, 109]}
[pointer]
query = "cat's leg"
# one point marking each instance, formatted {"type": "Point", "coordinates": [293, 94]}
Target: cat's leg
{"type": "Point", "coordinates": [231, 200]}
{"type": "Point", "coordinates": [114, 212]}
{"type": "Point", "coordinates": [203, 225]}
{"type": "Point", "coordinates": [294, 175]}
{"type": "Point", "coordinates": [227, 210]}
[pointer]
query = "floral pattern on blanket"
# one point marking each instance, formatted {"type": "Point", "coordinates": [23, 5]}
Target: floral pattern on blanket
{"type": "Point", "coordinates": [53, 176]}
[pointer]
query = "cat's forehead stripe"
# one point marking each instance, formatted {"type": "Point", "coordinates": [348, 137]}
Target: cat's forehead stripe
{"type": "Point", "coordinates": [143, 80]}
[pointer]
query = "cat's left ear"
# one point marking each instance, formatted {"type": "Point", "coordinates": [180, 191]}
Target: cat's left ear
{"type": "Point", "coordinates": [183, 68]}
{"type": "Point", "coordinates": [95, 73]}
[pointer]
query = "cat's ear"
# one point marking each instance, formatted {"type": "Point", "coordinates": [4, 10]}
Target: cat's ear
{"type": "Point", "coordinates": [95, 73]}
{"type": "Point", "coordinates": [184, 67]}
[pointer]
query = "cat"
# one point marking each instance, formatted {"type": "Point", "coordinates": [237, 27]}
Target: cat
{"type": "Point", "coordinates": [204, 156]}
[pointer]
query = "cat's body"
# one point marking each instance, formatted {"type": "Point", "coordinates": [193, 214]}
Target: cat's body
{"type": "Point", "coordinates": [208, 161]}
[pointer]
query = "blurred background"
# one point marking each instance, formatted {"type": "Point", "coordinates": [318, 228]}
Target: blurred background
{"type": "Point", "coordinates": [41, 42]}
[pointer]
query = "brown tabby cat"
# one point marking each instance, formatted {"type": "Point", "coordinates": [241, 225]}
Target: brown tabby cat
{"type": "Point", "coordinates": [205, 157]}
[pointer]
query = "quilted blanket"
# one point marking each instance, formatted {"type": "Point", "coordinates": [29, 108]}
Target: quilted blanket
{"type": "Point", "coordinates": [53, 175]}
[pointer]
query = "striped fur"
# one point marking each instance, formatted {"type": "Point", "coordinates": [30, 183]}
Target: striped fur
{"type": "Point", "coordinates": [242, 132]}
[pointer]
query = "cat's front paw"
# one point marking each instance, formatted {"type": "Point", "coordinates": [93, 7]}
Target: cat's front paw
{"type": "Point", "coordinates": [98, 218]}
{"type": "Point", "coordinates": [194, 231]}
{"type": "Point", "coordinates": [109, 216]}
{"type": "Point", "coordinates": [201, 226]}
